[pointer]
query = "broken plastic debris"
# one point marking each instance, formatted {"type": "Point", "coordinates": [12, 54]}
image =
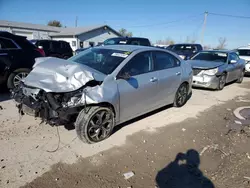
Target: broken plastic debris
{"type": "Point", "coordinates": [237, 122]}
{"type": "Point", "coordinates": [128, 175]}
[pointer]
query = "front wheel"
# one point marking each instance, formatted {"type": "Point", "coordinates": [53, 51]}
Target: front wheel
{"type": "Point", "coordinates": [16, 77]}
{"type": "Point", "coordinates": [95, 125]}
{"type": "Point", "coordinates": [181, 95]}
{"type": "Point", "coordinates": [222, 81]}
{"type": "Point", "coordinates": [240, 79]}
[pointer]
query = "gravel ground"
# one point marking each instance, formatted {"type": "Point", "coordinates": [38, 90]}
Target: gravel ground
{"type": "Point", "coordinates": [199, 145]}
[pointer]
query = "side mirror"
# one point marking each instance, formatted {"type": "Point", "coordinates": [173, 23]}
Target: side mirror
{"type": "Point", "coordinates": [124, 76]}
{"type": "Point", "coordinates": [233, 61]}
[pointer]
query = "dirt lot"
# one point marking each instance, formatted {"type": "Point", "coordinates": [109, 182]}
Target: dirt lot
{"type": "Point", "coordinates": [186, 147]}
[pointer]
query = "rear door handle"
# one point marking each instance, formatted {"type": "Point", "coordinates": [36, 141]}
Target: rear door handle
{"type": "Point", "coordinates": [178, 73]}
{"type": "Point", "coordinates": [153, 79]}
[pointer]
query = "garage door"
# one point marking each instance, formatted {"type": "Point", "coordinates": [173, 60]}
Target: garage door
{"type": "Point", "coordinates": [29, 35]}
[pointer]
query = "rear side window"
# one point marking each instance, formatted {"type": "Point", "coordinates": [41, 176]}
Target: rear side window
{"type": "Point", "coordinates": [7, 44]}
{"type": "Point", "coordinates": [55, 44]}
{"type": "Point", "coordinates": [163, 60]}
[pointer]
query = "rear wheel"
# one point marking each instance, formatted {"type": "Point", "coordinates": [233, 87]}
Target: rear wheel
{"type": "Point", "coordinates": [222, 81]}
{"type": "Point", "coordinates": [240, 79]}
{"type": "Point", "coordinates": [95, 125]}
{"type": "Point", "coordinates": [181, 95]}
{"type": "Point", "coordinates": [16, 77]}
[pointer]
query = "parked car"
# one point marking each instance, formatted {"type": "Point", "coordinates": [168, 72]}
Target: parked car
{"type": "Point", "coordinates": [104, 86]}
{"type": "Point", "coordinates": [77, 51]}
{"type": "Point", "coordinates": [17, 56]}
{"type": "Point", "coordinates": [53, 48]}
{"type": "Point", "coordinates": [244, 53]}
{"type": "Point", "coordinates": [128, 41]}
{"type": "Point", "coordinates": [185, 51]}
{"type": "Point", "coordinates": [213, 69]}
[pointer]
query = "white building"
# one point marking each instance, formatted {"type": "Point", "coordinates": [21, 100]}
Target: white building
{"type": "Point", "coordinates": [78, 37]}
{"type": "Point", "coordinates": [82, 37]}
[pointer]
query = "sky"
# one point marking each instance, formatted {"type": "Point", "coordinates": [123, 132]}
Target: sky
{"type": "Point", "coordinates": [156, 20]}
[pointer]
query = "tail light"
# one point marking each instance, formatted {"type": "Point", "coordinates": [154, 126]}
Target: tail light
{"type": "Point", "coordinates": [41, 51]}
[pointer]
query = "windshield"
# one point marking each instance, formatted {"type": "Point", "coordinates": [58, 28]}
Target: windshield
{"type": "Point", "coordinates": [211, 56]}
{"type": "Point", "coordinates": [115, 41]}
{"type": "Point", "coordinates": [244, 52]}
{"type": "Point", "coordinates": [103, 60]}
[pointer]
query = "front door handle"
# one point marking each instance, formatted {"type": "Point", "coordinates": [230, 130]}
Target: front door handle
{"type": "Point", "coordinates": [178, 73]}
{"type": "Point", "coordinates": [153, 79]}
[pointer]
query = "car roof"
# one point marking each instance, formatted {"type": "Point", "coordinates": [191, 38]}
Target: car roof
{"type": "Point", "coordinates": [191, 44]}
{"type": "Point", "coordinates": [128, 38]}
{"type": "Point", "coordinates": [244, 48]}
{"type": "Point", "coordinates": [219, 51]}
{"type": "Point", "coordinates": [129, 48]}
{"type": "Point", "coordinates": [10, 35]}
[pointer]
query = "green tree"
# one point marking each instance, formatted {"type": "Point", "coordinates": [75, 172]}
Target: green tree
{"type": "Point", "coordinates": [54, 23]}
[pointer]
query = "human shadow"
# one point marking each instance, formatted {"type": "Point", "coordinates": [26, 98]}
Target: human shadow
{"type": "Point", "coordinates": [183, 172]}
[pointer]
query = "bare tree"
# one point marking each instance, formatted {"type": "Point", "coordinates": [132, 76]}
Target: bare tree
{"type": "Point", "coordinates": [222, 43]}
{"type": "Point", "coordinates": [125, 33]}
{"type": "Point", "coordinates": [54, 23]}
{"type": "Point", "coordinates": [167, 41]}
{"type": "Point", "coordinates": [206, 47]}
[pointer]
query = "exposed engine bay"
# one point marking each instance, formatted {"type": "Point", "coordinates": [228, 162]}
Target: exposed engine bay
{"type": "Point", "coordinates": [52, 108]}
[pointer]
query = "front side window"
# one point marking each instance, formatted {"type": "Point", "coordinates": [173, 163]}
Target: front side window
{"type": "Point", "coordinates": [139, 64]}
{"type": "Point", "coordinates": [163, 60]}
{"type": "Point", "coordinates": [103, 60]}
{"type": "Point", "coordinates": [211, 56]}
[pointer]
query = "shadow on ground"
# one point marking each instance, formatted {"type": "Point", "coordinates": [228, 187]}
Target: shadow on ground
{"type": "Point", "coordinates": [183, 172]}
{"type": "Point", "coordinates": [4, 94]}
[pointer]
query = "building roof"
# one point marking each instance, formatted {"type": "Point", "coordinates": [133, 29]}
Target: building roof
{"type": "Point", "coordinates": [75, 31]}
{"type": "Point", "coordinates": [5, 23]}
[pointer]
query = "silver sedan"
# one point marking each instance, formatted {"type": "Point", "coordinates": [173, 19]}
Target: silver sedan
{"type": "Point", "coordinates": [213, 69]}
{"type": "Point", "coordinates": [104, 86]}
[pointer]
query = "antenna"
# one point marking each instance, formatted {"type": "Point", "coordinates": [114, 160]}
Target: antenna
{"type": "Point", "coordinates": [204, 26]}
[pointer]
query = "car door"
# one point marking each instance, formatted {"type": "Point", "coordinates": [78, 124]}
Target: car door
{"type": "Point", "coordinates": [169, 76]}
{"type": "Point", "coordinates": [231, 68]}
{"type": "Point", "coordinates": [238, 65]}
{"type": "Point", "coordinates": [138, 93]}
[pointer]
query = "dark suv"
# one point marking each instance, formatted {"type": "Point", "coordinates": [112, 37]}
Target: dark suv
{"type": "Point", "coordinates": [185, 51]}
{"type": "Point", "coordinates": [53, 48]}
{"type": "Point", "coordinates": [17, 56]}
{"type": "Point", "coordinates": [128, 40]}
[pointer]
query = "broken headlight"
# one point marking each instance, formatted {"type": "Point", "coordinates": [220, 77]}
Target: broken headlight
{"type": "Point", "coordinates": [211, 72]}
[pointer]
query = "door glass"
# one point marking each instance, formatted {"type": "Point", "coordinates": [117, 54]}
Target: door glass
{"type": "Point", "coordinates": [163, 60]}
{"type": "Point", "coordinates": [139, 64]}
{"type": "Point", "coordinates": [7, 44]}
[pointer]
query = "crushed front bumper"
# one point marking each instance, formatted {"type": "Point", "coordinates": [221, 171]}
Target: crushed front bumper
{"type": "Point", "coordinates": [37, 103]}
{"type": "Point", "coordinates": [205, 81]}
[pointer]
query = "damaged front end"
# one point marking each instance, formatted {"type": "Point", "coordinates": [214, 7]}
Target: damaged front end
{"type": "Point", "coordinates": [55, 90]}
{"type": "Point", "coordinates": [53, 108]}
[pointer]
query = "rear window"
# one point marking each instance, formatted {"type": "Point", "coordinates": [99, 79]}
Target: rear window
{"type": "Point", "coordinates": [115, 41]}
{"type": "Point", "coordinates": [24, 43]}
{"type": "Point", "coordinates": [244, 52]}
{"type": "Point", "coordinates": [184, 48]}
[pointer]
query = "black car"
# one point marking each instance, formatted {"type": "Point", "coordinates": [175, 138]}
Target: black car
{"type": "Point", "coordinates": [53, 48]}
{"type": "Point", "coordinates": [128, 41]}
{"type": "Point", "coordinates": [17, 56]}
{"type": "Point", "coordinates": [185, 51]}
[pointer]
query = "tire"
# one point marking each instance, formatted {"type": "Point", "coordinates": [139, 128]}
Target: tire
{"type": "Point", "coordinates": [11, 79]}
{"type": "Point", "coordinates": [222, 81]}
{"type": "Point", "coordinates": [86, 121]}
{"type": "Point", "coordinates": [181, 95]}
{"type": "Point", "coordinates": [240, 79]}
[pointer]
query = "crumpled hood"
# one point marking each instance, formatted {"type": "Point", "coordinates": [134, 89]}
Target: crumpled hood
{"type": "Point", "coordinates": [59, 75]}
{"type": "Point", "coordinates": [199, 64]}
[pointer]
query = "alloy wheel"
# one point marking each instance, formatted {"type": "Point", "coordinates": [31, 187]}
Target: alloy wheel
{"type": "Point", "coordinates": [182, 95]}
{"type": "Point", "coordinates": [18, 78]}
{"type": "Point", "coordinates": [222, 82]}
{"type": "Point", "coordinates": [100, 126]}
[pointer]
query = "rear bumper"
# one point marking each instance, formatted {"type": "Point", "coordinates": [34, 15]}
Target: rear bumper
{"type": "Point", "coordinates": [205, 81]}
